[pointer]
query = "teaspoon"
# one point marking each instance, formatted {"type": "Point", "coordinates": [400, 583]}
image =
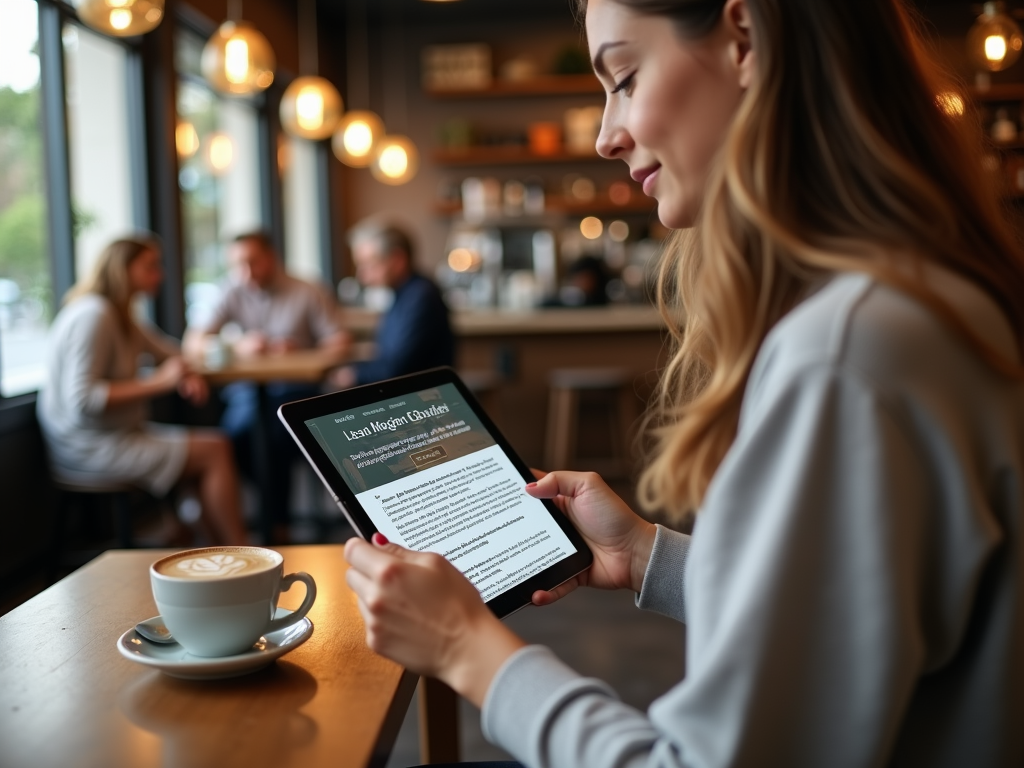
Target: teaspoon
{"type": "Point", "coordinates": [154, 631]}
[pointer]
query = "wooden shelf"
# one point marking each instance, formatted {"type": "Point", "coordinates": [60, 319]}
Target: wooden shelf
{"type": "Point", "coordinates": [559, 206]}
{"type": "Point", "coordinates": [1000, 92]}
{"type": "Point", "coordinates": [511, 155]}
{"type": "Point", "coordinates": [544, 85]}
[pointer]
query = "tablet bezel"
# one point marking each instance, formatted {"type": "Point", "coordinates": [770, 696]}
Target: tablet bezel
{"type": "Point", "coordinates": [294, 415]}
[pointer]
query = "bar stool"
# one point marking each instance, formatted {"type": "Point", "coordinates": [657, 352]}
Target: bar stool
{"type": "Point", "coordinates": [484, 385]}
{"type": "Point", "coordinates": [562, 444]}
{"type": "Point", "coordinates": [70, 494]}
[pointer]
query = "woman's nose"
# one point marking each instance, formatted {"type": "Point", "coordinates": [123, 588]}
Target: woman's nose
{"type": "Point", "coordinates": [613, 139]}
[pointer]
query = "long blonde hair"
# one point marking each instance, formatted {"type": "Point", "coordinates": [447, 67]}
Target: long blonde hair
{"type": "Point", "coordinates": [840, 158]}
{"type": "Point", "coordinates": [108, 276]}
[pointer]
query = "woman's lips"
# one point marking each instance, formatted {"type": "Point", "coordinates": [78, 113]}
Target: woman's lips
{"type": "Point", "coordinates": [649, 182]}
{"type": "Point", "coordinates": [647, 178]}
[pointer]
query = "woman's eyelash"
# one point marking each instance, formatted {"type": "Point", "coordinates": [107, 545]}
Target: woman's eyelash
{"type": "Point", "coordinates": [623, 84]}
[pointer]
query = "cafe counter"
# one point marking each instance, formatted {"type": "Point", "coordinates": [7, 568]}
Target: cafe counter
{"type": "Point", "coordinates": [510, 356]}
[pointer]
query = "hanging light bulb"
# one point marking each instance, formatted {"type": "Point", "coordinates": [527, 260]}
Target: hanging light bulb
{"type": "Point", "coordinates": [220, 152]}
{"type": "Point", "coordinates": [186, 140]}
{"type": "Point", "coordinates": [238, 59]}
{"type": "Point", "coordinates": [121, 18]}
{"type": "Point", "coordinates": [356, 137]}
{"type": "Point", "coordinates": [311, 108]}
{"type": "Point", "coordinates": [995, 41]}
{"type": "Point", "coordinates": [395, 160]}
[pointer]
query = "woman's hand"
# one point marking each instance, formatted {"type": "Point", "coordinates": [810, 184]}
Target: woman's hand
{"type": "Point", "coordinates": [620, 539]}
{"type": "Point", "coordinates": [194, 388]}
{"type": "Point", "coordinates": [168, 374]}
{"type": "Point", "coordinates": [421, 612]}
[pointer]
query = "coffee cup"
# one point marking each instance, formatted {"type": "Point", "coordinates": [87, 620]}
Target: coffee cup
{"type": "Point", "coordinates": [218, 601]}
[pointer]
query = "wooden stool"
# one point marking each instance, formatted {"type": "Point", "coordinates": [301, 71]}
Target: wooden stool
{"type": "Point", "coordinates": [566, 385]}
{"type": "Point", "coordinates": [117, 495]}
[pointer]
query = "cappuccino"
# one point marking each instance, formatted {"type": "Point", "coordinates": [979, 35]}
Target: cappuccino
{"type": "Point", "coordinates": [217, 563]}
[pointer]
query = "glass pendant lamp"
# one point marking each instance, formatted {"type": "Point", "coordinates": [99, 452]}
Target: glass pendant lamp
{"type": "Point", "coordinates": [994, 42]}
{"type": "Point", "coordinates": [237, 59]}
{"type": "Point", "coordinates": [121, 18]}
{"type": "Point", "coordinates": [395, 159]}
{"type": "Point", "coordinates": [311, 106]}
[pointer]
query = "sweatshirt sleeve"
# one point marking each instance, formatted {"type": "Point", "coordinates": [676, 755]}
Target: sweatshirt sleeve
{"type": "Point", "coordinates": [803, 603]}
{"type": "Point", "coordinates": [88, 354]}
{"type": "Point", "coordinates": [662, 590]}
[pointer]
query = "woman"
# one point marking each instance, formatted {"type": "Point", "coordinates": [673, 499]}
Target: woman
{"type": "Point", "coordinates": [92, 407]}
{"type": "Point", "coordinates": [844, 410]}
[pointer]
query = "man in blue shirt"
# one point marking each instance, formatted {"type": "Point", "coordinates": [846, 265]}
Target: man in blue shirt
{"type": "Point", "coordinates": [414, 333]}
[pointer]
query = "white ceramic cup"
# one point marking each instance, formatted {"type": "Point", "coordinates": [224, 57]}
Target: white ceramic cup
{"type": "Point", "coordinates": [219, 611]}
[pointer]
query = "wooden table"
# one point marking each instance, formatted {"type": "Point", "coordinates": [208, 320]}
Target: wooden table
{"type": "Point", "coordinates": [67, 697]}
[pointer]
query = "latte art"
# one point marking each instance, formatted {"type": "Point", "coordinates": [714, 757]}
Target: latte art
{"type": "Point", "coordinates": [216, 564]}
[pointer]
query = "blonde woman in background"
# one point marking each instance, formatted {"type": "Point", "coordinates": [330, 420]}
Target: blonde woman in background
{"type": "Point", "coordinates": [844, 411]}
{"type": "Point", "coordinates": [93, 405]}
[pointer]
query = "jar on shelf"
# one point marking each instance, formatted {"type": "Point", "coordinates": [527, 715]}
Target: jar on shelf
{"type": "Point", "coordinates": [1004, 130]}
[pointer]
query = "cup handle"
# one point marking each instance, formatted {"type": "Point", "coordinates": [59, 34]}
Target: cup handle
{"type": "Point", "coordinates": [286, 584]}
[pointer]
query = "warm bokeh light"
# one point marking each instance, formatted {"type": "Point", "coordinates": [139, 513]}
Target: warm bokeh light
{"type": "Point", "coordinates": [995, 41]}
{"type": "Point", "coordinates": [356, 137]}
{"type": "Point", "coordinates": [121, 18]}
{"type": "Point", "coordinates": [311, 108]}
{"type": "Point", "coordinates": [618, 231]}
{"type": "Point", "coordinates": [620, 193]}
{"type": "Point", "coordinates": [463, 260]}
{"type": "Point", "coordinates": [591, 228]}
{"type": "Point", "coordinates": [395, 160]}
{"type": "Point", "coordinates": [951, 102]}
{"type": "Point", "coordinates": [220, 152]}
{"type": "Point", "coordinates": [186, 140]}
{"type": "Point", "coordinates": [995, 48]}
{"type": "Point", "coordinates": [238, 59]}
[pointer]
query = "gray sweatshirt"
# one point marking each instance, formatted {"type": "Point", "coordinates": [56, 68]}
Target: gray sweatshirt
{"type": "Point", "coordinates": [854, 587]}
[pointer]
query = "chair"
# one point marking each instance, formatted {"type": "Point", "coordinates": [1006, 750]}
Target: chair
{"type": "Point", "coordinates": [567, 386]}
{"type": "Point", "coordinates": [70, 493]}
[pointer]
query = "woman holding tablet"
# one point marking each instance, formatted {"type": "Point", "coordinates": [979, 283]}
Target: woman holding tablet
{"type": "Point", "coordinates": [844, 410]}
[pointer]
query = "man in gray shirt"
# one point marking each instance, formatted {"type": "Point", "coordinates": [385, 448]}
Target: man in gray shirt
{"type": "Point", "coordinates": [277, 313]}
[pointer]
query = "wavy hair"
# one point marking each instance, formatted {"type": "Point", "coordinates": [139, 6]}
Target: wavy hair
{"type": "Point", "coordinates": [108, 276]}
{"type": "Point", "coordinates": [840, 158]}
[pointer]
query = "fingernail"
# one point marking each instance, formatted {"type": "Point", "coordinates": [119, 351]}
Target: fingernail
{"type": "Point", "coordinates": [379, 539]}
{"type": "Point", "coordinates": [531, 485]}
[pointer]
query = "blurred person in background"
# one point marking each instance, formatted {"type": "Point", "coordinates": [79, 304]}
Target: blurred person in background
{"type": "Point", "coordinates": [414, 333]}
{"type": "Point", "coordinates": [93, 405]}
{"type": "Point", "coordinates": [277, 313]}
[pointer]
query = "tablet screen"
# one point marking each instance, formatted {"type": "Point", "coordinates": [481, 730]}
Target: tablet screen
{"type": "Point", "coordinates": [432, 478]}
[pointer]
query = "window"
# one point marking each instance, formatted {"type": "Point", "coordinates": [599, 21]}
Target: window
{"type": "Point", "coordinates": [96, 71]}
{"type": "Point", "coordinates": [26, 302]}
{"type": "Point", "coordinates": [298, 163]}
{"type": "Point", "coordinates": [218, 149]}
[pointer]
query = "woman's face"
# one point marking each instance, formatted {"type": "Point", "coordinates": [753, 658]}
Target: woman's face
{"type": "Point", "coordinates": [670, 100]}
{"type": "Point", "coordinates": [145, 273]}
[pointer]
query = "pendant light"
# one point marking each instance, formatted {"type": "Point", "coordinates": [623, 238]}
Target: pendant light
{"type": "Point", "coordinates": [995, 41]}
{"type": "Point", "coordinates": [121, 18]}
{"type": "Point", "coordinates": [360, 130]}
{"type": "Point", "coordinates": [310, 107]}
{"type": "Point", "coordinates": [237, 59]}
{"type": "Point", "coordinates": [395, 159]}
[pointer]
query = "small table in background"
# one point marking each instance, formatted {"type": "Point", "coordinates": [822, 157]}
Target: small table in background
{"type": "Point", "coordinates": [307, 366]}
{"type": "Point", "coordinates": [68, 698]}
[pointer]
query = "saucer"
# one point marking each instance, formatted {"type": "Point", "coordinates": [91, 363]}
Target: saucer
{"type": "Point", "coordinates": [173, 660]}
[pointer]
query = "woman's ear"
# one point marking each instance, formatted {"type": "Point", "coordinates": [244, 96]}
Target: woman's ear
{"type": "Point", "coordinates": [736, 17]}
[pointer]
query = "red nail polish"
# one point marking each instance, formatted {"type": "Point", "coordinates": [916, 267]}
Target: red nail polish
{"type": "Point", "coordinates": [379, 539]}
{"type": "Point", "coordinates": [531, 485]}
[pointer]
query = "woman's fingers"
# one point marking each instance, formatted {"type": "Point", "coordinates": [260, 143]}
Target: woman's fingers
{"type": "Point", "coordinates": [546, 597]}
{"type": "Point", "coordinates": [570, 484]}
{"type": "Point", "coordinates": [537, 473]}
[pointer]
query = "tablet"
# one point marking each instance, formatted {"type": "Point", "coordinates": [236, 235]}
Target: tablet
{"type": "Point", "coordinates": [417, 459]}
